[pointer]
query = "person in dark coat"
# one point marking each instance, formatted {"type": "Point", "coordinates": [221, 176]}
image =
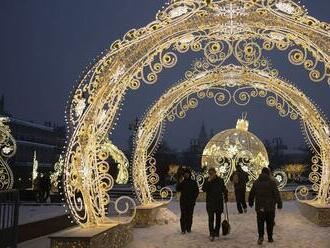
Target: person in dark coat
{"type": "Point", "coordinates": [45, 187]}
{"type": "Point", "coordinates": [240, 179]}
{"type": "Point", "coordinates": [216, 192]}
{"type": "Point", "coordinates": [265, 194]}
{"type": "Point", "coordinates": [189, 192]}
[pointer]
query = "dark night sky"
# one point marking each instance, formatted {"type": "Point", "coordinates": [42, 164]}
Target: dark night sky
{"type": "Point", "coordinates": [45, 45]}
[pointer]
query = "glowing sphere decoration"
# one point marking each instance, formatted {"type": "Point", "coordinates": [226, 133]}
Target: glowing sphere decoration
{"type": "Point", "coordinates": [236, 146]}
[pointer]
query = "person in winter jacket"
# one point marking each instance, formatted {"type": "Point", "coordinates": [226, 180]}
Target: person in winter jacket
{"type": "Point", "coordinates": [216, 194]}
{"type": "Point", "coordinates": [240, 179]}
{"type": "Point", "coordinates": [189, 191]}
{"type": "Point", "coordinates": [265, 194]}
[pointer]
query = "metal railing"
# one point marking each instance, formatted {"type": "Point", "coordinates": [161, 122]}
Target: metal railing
{"type": "Point", "coordinates": [9, 210]}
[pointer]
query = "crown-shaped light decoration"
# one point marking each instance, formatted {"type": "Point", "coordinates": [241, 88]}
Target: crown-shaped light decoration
{"type": "Point", "coordinates": [242, 124]}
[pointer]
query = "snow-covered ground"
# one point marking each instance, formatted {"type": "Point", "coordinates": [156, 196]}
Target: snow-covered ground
{"type": "Point", "coordinates": [291, 230]}
{"type": "Point", "coordinates": [33, 213]}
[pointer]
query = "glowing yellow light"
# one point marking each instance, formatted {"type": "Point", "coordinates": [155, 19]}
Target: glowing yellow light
{"type": "Point", "coordinates": [221, 29]}
{"type": "Point", "coordinates": [35, 165]}
{"type": "Point", "coordinates": [58, 170]}
{"type": "Point", "coordinates": [233, 147]}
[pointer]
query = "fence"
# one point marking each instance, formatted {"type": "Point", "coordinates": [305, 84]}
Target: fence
{"type": "Point", "coordinates": [9, 210]}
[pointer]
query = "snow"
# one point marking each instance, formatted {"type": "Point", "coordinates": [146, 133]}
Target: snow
{"type": "Point", "coordinates": [291, 230]}
{"type": "Point", "coordinates": [165, 216]}
{"type": "Point", "coordinates": [33, 213]}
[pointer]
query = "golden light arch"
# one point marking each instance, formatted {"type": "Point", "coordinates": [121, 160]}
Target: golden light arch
{"type": "Point", "coordinates": [225, 85]}
{"type": "Point", "coordinates": [243, 28]}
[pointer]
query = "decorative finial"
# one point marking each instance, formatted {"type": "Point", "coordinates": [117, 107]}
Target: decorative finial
{"type": "Point", "coordinates": [243, 124]}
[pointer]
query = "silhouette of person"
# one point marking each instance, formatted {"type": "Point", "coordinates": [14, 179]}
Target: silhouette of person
{"type": "Point", "coordinates": [216, 192]}
{"type": "Point", "coordinates": [265, 194]}
{"type": "Point", "coordinates": [240, 179]}
{"type": "Point", "coordinates": [189, 192]}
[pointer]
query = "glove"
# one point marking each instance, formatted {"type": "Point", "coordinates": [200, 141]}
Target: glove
{"type": "Point", "coordinates": [279, 206]}
{"type": "Point", "coordinates": [226, 199]}
{"type": "Point", "coordinates": [251, 204]}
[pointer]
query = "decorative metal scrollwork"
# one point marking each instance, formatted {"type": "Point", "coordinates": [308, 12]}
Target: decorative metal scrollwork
{"type": "Point", "coordinates": [219, 28]}
{"type": "Point", "coordinates": [124, 209]}
{"type": "Point", "coordinates": [281, 178]}
{"type": "Point", "coordinates": [236, 87]}
{"type": "Point", "coordinates": [56, 175]}
{"type": "Point", "coordinates": [7, 150]}
{"type": "Point", "coordinates": [120, 158]}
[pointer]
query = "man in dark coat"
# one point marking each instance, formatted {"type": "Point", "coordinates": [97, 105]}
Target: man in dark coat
{"type": "Point", "coordinates": [189, 192]}
{"type": "Point", "coordinates": [240, 179]}
{"type": "Point", "coordinates": [265, 194]}
{"type": "Point", "coordinates": [216, 192]}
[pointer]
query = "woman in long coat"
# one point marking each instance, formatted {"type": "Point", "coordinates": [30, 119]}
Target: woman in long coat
{"type": "Point", "coordinates": [216, 194]}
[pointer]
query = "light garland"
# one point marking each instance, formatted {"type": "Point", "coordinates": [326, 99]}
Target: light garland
{"type": "Point", "coordinates": [35, 165]}
{"type": "Point", "coordinates": [58, 171]}
{"type": "Point", "coordinates": [219, 28]}
{"type": "Point", "coordinates": [120, 158]}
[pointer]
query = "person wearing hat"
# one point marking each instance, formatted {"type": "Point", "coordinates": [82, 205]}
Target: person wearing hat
{"type": "Point", "coordinates": [189, 192]}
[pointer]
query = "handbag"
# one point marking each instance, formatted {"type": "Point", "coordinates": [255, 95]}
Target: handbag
{"type": "Point", "coordinates": [225, 223]}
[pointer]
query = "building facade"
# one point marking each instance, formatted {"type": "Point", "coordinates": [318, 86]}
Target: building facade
{"type": "Point", "coordinates": [46, 140]}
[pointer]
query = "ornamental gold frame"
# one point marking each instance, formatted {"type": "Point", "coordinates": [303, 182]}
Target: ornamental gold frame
{"type": "Point", "coordinates": [184, 25]}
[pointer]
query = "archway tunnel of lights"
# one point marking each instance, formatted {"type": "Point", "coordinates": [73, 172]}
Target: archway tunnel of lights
{"type": "Point", "coordinates": [227, 84]}
{"type": "Point", "coordinates": [220, 29]}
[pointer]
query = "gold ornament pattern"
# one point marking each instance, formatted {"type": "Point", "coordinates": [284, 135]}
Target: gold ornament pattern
{"type": "Point", "coordinates": [236, 146]}
{"type": "Point", "coordinates": [225, 84]}
{"type": "Point", "coordinates": [218, 28]}
{"type": "Point", "coordinates": [7, 150]}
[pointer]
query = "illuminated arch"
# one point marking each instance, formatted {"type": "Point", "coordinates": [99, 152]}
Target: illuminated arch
{"type": "Point", "coordinates": [224, 85]}
{"type": "Point", "coordinates": [247, 27]}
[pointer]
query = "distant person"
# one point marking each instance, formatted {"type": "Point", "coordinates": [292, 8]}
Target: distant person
{"type": "Point", "coordinates": [240, 179]}
{"type": "Point", "coordinates": [189, 192]}
{"type": "Point", "coordinates": [216, 193]}
{"type": "Point", "coordinates": [45, 186]}
{"type": "Point", "coordinates": [265, 194]}
{"type": "Point", "coordinates": [37, 188]}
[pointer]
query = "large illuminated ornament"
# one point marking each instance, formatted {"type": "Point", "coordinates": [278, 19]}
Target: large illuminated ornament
{"type": "Point", "coordinates": [7, 150]}
{"type": "Point", "coordinates": [233, 147]}
{"type": "Point", "coordinates": [220, 29]}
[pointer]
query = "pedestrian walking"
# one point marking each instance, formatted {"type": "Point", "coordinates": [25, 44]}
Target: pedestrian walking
{"type": "Point", "coordinates": [240, 179]}
{"type": "Point", "coordinates": [266, 196]}
{"type": "Point", "coordinates": [216, 194]}
{"type": "Point", "coordinates": [189, 192]}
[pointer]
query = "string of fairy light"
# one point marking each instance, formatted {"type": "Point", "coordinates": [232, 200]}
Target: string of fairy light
{"type": "Point", "coordinates": [181, 26]}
